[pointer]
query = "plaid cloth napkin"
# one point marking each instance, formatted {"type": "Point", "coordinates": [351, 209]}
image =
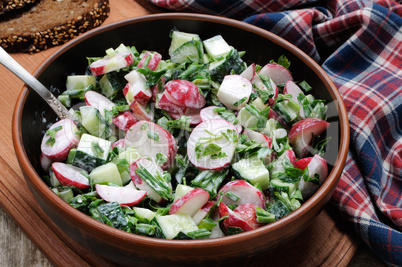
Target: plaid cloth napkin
{"type": "Point", "coordinates": [359, 44]}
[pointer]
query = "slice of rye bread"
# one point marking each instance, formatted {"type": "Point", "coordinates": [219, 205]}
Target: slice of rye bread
{"type": "Point", "coordinates": [50, 23]}
{"type": "Point", "coordinates": [11, 5]}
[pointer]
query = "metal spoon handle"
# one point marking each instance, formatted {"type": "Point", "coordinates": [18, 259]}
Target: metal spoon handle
{"type": "Point", "coordinates": [7, 61]}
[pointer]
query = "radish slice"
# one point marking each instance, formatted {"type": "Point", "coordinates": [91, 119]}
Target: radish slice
{"type": "Point", "coordinates": [99, 101]}
{"type": "Point", "coordinates": [294, 90]}
{"type": "Point", "coordinates": [215, 129]}
{"type": "Point", "coordinates": [119, 143]}
{"type": "Point", "coordinates": [150, 139]}
{"type": "Point", "coordinates": [317, 166]}
{"type": "Point", "coordinates": [140, 112]}
{"type": "Point", "coordinates": [303, 163]}
{"type": "Point", "coordinates": [125, 120]}
{"type": "Point", "coordinates": [153, 62]}
{"type": "Point", "coordinates": [136, 89]}
{"type": "Point", "coordinates": [245, 191]}
{"type": "Point", "coordinates": [122, 195]}
{"type": "Point", "coordinates": [108, 64]}
{"type": "Point", "coordinates": [186, 93]}
{"type": "Point", "coordinates": [232, 220]}
{"type": "Point", "coordinates": [276, 72]}
{"type": "Point", "coordinates": [70, 175]}
{"type": "Point", "coordinates": [208, 113]}
{"type": "Point", "coordinates": [203, 211]}
{"type": "Point", "coordinates": [171, 105]}
{"type": "Point", "coordinates": [247, 213]}
{"type": "Point", "coordinates": [234, 88]}
{"type": "Point", "coordinates": [190, 203]}
{"type": "Point", "coordinates": [194, 115]}
{"type": "Point", "coordinates": [264, 140]}
{"type": "Point", "coordinates": [302, 132]}
{"type": "Point", "coordinates": [249, 72]}
{"type": "Point", "coordinates": [45, 162]}
{"type": "Point", "coordinates": [65, 139]}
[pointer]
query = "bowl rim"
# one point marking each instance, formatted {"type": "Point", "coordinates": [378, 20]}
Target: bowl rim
{"type": "Point", "coordinates": [314, 202]}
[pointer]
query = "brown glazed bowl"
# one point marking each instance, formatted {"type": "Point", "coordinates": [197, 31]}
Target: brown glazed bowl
{"type": "Point", "coordinates": [152, 33]}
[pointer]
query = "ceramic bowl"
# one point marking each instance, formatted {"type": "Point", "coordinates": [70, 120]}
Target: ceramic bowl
{"type": "Point", "coordinates": [152, 32]}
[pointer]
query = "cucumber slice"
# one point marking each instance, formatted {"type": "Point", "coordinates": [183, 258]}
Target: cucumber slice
{"type": "Point", "coordinates": [216, 47]}
{"type": "Point", "coordinates": [187, 52]}
{"type": "Point", "coordinates": [144, 215]}
{"type": "Point", "coordinates": [253, 171]}
{"type": "Point", "coordinates": [172, 225]}
{"type": "Point", "coordinates": [111, 83]}
{"type": "Point", "coordinates": [246, 119]}
{"type": "Point", "coordinates": [86, 156]}
{"type": "Point", "coordinates": [75, 82]}
{"type": "Point", "coordinates": [283, 186]}
{"type": "Point", "coordinates": [287, 111]}
{"type": "Point", "coordinates": [107, 173]}
{"type": "Point", "coordinates": [94, 123]}
{"type": "Point", "coordinates": [179, 38]}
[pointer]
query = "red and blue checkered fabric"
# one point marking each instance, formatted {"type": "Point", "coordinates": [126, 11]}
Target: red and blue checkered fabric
{"type": "Point", "coordinates": [359, 44]}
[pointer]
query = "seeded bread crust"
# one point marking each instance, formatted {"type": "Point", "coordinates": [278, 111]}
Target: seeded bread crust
{"type": "Point", "coordinates": [54, 35]}
{"type": "Point", "coordinates": [10, 5]}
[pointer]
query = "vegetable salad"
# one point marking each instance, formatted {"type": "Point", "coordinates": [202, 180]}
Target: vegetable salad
{"type": "Point", "coordinates": [196, 145]}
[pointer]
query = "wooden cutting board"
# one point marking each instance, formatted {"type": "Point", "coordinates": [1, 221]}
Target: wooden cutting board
{"type": "Point", "coordinates": [327, 242]}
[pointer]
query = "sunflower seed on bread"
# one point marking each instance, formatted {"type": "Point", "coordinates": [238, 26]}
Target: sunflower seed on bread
{"type": "Point", "coordinates": [50, 23]}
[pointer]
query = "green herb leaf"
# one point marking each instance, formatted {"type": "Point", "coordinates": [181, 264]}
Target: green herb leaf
{"type": "Point", "coordinates": [52, 133]}
{"type": "Point", "coordinates": [153, 135]}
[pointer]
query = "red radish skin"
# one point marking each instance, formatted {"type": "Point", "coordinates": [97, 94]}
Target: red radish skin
{"type": "Point", "coordinates": [233, 219]}
{"type": "Point", "coordinates": [138, 137]}
{"type": "Point", "coordinates": [264, 140]}
{"type": "Point", "coordinates": [194, 115]}
{"type": "Point", "coordinates": [153, 63]}
{"type": "Point", "coordinates": [203, 211]}
{"type": "Point", "coordinates": [317, 166]}
{"type": "Point", "coordinates": [153, 168]}
{"type": "Point", "coordinates": [248, 213]}
{"type": "Point", "coordinates": [203, 130]}
{"type": "Point", "coordinates": [190, 203]}
{"type": "Point", "coordinates": [276, 72]}
{"type": "Point", "coordinates": [303, 163]}
{"type": "Point", "coordinates": [122, 195]}
{"type": "Point", "coordinates": [273, 115]}
{"type": "Point", "coordinates": [302, 132]}
{"type": "Point", "coordinates": [186, 93]}
{"type": "Point", "coordinates": [158, 88]}
{"type": "Point", "coordinates": [99, 101]}
{"type": "Point", "coordinates": [136, 89]}
{"type": "Point", "coordinates": [140, 112]}
{"type": "Point", "coordinates": [66, 139]}
{"type": "Point", "coordinates": [171, 105]}
{"type": "Point", "coordinates": [138, 93]}
{"type": "Point", "coordinates": [69, 175]}
{"type": "Point", "coordinates": [208, 113]}
{"type": "Point", "coordinates": [244, 190]}
{"type": "Point", "coordinates": [119, 143]}
{"type": "Point", "coordinates": [125, 120]}
{"type": "Point", "coordinates": [108, 64]}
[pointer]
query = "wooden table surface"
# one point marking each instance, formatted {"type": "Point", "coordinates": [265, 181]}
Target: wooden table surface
{"type": "Point", "coordinates": [29, 238]}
